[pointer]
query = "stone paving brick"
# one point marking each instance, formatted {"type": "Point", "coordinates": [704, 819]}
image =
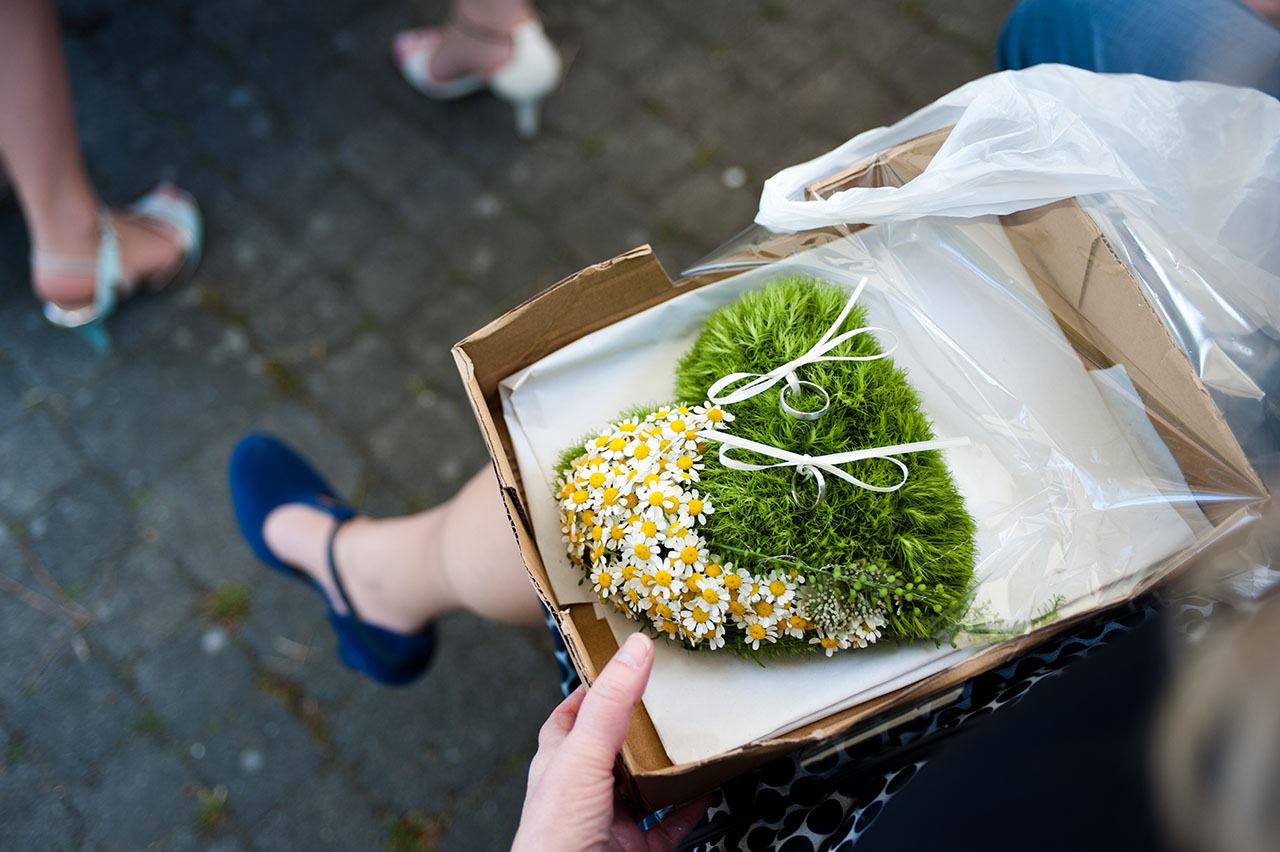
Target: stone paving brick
{"type": "Point", "coordinates": [147, 604]}
{"type": "Point", "coordinates": [431, 756]}
{"type": "Point", "coordinates": [37, 814]}
{"type": "Point", "coordinates": [360, 383]}
{"type": "Point", "coordinates": [136, 797]}
{"type": "Point", "coordinates": [590, 104]}
{"type": "Point", "coordinates": [329, 814]}
{"type": "Point", "coordinates": [33, 628]}
{"type": "Point", "coordinates": [645, 154]}
{"type": "Point", "coordinates": [189, 514]}
{"type": "Point", "coordinates": [449, 315]}
{"type": "Point", "coordinates": [431, 448]}
{"type": "Point", "coordinates": [489, 823]}
{"type": "Point", "coordinates": [80, 538]}
{"type": "Point", "coordinates": [309, 317]}
{"type": "Point", "coordinates": [261, 754]}
{"type": "Point", "coordinates": [34, 463]}
{"type": "Point", "coordinates": [397, 273]}
{"type": "Point", "coordinates": [389, 154]}
{"type": "Point", "coordinates": [73, 713]}
{"type": "Point", "coordinates": [140, 418]}
{"type": "Point", "coordinates": [196, 683]}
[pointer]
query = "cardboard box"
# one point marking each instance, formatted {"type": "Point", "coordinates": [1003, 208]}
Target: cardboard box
{"type": "Point", "coordinates": [1095, 299]}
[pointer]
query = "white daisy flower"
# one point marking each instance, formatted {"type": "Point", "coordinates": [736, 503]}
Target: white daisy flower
{"type": "Point", "coordinates": [694, 508]}
{"type": "Point", "coordinates": [616, 448]}
{"type": "Point", "coordinates": [779, 590]}
{"type": "Point", "coordinates": [699, 619]}
{"type": "Point", "coordinates": [715, 415]}
{"type": "Point", "coordinates": [831, 644]}
{"type": "Point", "coordinates": [795, 625]}
{"type": "Point", "coordinates": [642, 552]}
{"type": "Point", "coordinates": [713, 594]}
{"type": "Point", "coordinates": [659, 500]}
{"type": "Point", "coordinates": [689, 551]}
{"type": "Point", "coordinates": [605, 580]}
{"type": "Point", "coordinates": [758, 631]}
{"type": "Point", "coordinates": [666, 585]}
{"type": "Point", "coordinates": [867, 630]}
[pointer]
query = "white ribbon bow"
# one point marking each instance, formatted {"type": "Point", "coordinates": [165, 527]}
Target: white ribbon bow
{"type": "Point", "coordinates": [763, 381]}
{"type": "Point", "coordinates": [829, 463]}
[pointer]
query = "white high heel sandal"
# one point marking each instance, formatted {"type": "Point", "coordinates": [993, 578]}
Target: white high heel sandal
{"type": "Point", "coordinates": [524, 80]}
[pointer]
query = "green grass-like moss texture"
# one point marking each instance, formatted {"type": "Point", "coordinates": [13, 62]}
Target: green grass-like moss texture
{"type": "Point", "coordinates": [879, 542]}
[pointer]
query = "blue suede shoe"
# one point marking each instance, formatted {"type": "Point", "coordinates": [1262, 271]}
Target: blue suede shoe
{"type": "Point", "coordinates": [266, 474]}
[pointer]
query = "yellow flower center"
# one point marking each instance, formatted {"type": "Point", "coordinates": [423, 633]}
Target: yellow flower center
{"type": "Point", "coordinates": [649, 528]}
{"type": "Point", "coordinates": [689, 555]}
{"type": "Point", "coordinates": [700, 615]}
{"type": "Point", "coordinates": [633, 596]}
{"type": "Point", "coordinates": [713, 570]}
{"type": "Point", "coordinates": [588, 517]}
{"type": "Point", "coordinates": [710, 596]}
{"type": "Point", "coordinates": [618, 532]}
{"type": "Point", "coordinates": [602, 441]}
{"type": "Point", "coordinates": [737, 608]}
{"type": "Point", "coordinates": [567, 491]}
{"type": "Point", "coordinates": [671, 627]}
{"type": "Point", "coordinates": [596, 553]}
{"type": "Point", "coordinates": [616, 444]}
{"type": "Point", "coordinates": [631, 501]}
{"type": "Point", "coordinates": [733, 581]}
{"type": "Point", "coordinates": [678, 426]}
{"type": "Point", "coordinates": [656, 498]}
{"type": "Point", "coordinates": [596, 479]}
{"type": "Point", "coordinates": [684, 462]}
{"type": "Point", "coordinates": [642, 553]}
{"type": "Point", "coordinates": [596, 462]}
{"type": "Point", "coordinates": [756, 631]}
{"type": "Point", "coordinates": [664, 444]}
{"type": "Point", "coordinates": [580, 496]}
{"type": "Point", "coordinates": [695, 506]}
{"type": "Point", "coordinates": [652, 480]}
{"type": "Point", "coordinates": [663, 610]}
{"type": "Point", "coordinates": [629, 572]}
{"type": "Point", "coordinates": [676, 531]}
{"type": "Point", "coordinates": [662, 578]}
{"type": "Point", "coordinates": [605, 580]}
{"type": "Point", "coordinates": [830, 643]}
{"type": "Point", "coordinates": [764, 608]}
{"type": "Point", "coordinates": [597, 532]}
{"type": "Point", "coordinates": [642, 451]}
{"type": "Point", "coordinates": [797, 621]}
{"type": "Point", "coordinates": [610, 496]}
{"type": "Point", "coordinates": [626, 427]}
{"type": "Point", "coordinates": [715, 415]}
{"type": "Point", "coordinates": [777, 587]}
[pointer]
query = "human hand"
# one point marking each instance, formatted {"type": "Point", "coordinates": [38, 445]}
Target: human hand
{"type": "Point", "coordinates": [570, 804]}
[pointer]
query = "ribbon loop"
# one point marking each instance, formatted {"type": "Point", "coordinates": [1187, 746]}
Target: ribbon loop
{"type": "Point", "coordinates": [828, 463]}
{"type": "Point", "coordinates": [761, 382]}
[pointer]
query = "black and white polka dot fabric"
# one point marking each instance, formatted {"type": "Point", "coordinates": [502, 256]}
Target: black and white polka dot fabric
{"type": "Point", "coordinates": [824, 800]}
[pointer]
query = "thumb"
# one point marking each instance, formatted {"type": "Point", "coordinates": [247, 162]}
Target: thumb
{"type": "Point", "coordinates": [605, 713]}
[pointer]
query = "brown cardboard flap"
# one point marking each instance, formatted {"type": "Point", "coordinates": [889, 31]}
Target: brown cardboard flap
{"type": "Point", "coordinates": [1104, 314]}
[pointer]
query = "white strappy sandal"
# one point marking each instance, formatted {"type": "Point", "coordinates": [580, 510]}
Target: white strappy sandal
{"type": "Point", "coordinates": [524, 80]}
{"type": "Point", "coordinates": [166, 207]}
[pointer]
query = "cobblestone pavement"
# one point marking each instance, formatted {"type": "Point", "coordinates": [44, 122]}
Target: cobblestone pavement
{"type": "Point", "coordinates": [158, 689]}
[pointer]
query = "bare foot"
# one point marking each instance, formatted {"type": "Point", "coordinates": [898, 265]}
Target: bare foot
{"type": "Point", "coordinates": [299, 535]}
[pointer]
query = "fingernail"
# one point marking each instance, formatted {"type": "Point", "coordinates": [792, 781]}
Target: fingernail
{"type": "Point", "coordinates": [635, 650]}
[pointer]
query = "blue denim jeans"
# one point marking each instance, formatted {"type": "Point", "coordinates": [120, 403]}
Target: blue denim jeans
{"type": "Point", "coordinates": [1222, 41]}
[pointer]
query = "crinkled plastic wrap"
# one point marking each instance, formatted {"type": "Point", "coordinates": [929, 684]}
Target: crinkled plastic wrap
{"type": "Point", "coordinates": [1085, 349]}
{"type": "Point", "coordinates": [1182, 179]}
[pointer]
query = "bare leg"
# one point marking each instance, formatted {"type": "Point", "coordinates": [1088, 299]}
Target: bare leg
{"type": "Point", "coordinates": [401, 573]}
{"type": "Point", "coordinates": [463, 50]}
{"type": "Point", "coordinates": [41, 151]}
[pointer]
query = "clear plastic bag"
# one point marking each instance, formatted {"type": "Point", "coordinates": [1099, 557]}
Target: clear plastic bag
{"type": "Point", "coordinates": [1052, 335]}
{"type": "Point", "coordinates": [1183, 179]}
